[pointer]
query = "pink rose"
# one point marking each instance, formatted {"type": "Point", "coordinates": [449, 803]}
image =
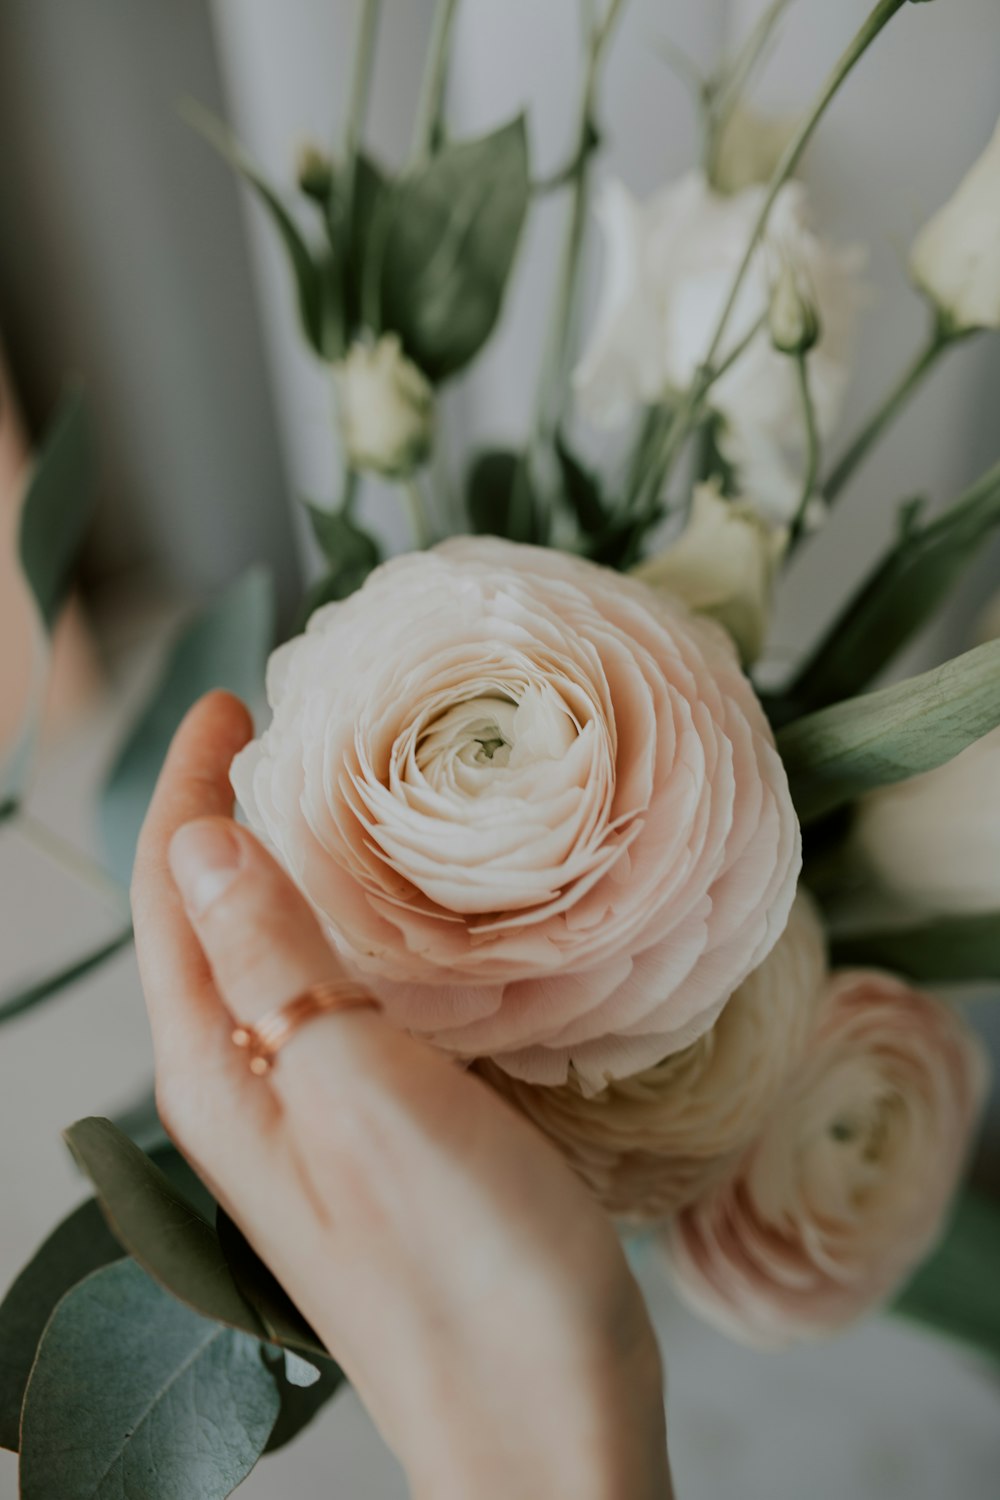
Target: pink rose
{"type": "Point", "coordinates": [537, 805]}
{"type": "Point", "coordinates": [847, 1188]}
{"type": "Point", "coordinates": [649, 1144]}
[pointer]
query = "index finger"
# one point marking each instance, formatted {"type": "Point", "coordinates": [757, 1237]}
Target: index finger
{"type": "Point", "coordinates": [193, 783]}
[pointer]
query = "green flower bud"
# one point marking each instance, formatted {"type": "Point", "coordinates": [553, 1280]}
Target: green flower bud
{"type": "Point", "coordinates": [793, 319]}
{"type": "Point", "coordinates": [314, 172]}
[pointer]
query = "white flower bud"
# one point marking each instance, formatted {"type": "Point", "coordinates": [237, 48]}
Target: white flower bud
{"type": "Point", "coordinates": [793, 320]}
{"type": "Point", "coordinates": [749, 147]}
{"type": "Point", "coordinates": [723, 564]}
{"type": "Point", "coordinates": [386, 407]}
{"type": "Point", "coordinates": [956, 256]}
{"type": "Point", "coordinates": [314, 171]}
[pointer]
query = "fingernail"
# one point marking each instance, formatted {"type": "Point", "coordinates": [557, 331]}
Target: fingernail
{"type": "Point", "coordinates": [204, 858]}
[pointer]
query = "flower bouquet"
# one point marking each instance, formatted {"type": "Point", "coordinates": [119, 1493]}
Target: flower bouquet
{"type": "Point", "coordinates": [549, 804]}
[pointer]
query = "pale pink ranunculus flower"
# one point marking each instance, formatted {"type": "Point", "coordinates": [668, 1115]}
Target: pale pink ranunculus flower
{"type": "Point", "coordinates": [648, 1145]}
{"type": "Point", "coordinates": [536, 804]}
{"type": "Point", "coordinates": [848, 1186]}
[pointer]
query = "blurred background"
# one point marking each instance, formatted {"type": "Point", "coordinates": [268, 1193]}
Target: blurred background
{"type": "Point", "coordinates": [128, 255]}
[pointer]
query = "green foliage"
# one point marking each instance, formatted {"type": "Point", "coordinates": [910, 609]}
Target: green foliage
{"type": "Point", "coordinates": [81, 1244]}
{"type": "Point", "coordinates": [311, 284]}
{"type": "Point", "coordinates": [58, 507]}
{"type": "Point", "coordinates": [226, 646]}
{"type": "Point", "coordinates": [957, 1290]}
{"type": "Point", "coordinates": [914, 578]}
{"type": "Point", "coordinates": [158, 1226]}
{"type": "Point", "coordinates": [55, 513]}
{"type": "Point", "coordinates": [134, 1397]}
{"type": "Point", "coordinates": [838, 753]}
{"type": "Point", "coordinates": [447, 247]}
{"type": "Point", "coordinates": [300, 1404]}
{"type": "Point", "coordinates": [582, 493]}
{"type": "Point", "coordinates": [36, 993]}
{"type": "Point", "coordinates": [501, 500]}
{"type": "Point", "coordinates": [939, 950]}
{"type": "Point", "coordinates": [277, 1313]}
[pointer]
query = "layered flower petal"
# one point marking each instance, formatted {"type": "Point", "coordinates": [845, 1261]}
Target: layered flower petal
{"type": "Point", "coordinates": [649, 1144]}
{"type": "Point", "coordinates": [536, 804]}
{"type": "Point", "coordinates": [847, 1187]}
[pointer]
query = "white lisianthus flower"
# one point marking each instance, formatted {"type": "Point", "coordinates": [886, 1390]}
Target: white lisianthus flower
{"type": "Point", "coordinates": [723, 564]}
{"type": "Point", "coordinates": [386, 408]}
{"type": "Point", "coordinates": [669, 269]}
{"type": "Point", "coordinates": [956, 256]}
{"type": "Point", "coordinates": [934, 840]}
{"type": "Point", "coordinates": [649, 1144]}
{"type": "Point", "coordinates": [750, 147]}
{"type": "Point", "coordinates": [847, 1187]}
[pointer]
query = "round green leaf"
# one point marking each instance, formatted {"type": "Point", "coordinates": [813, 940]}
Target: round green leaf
{"type": "Point", "coordinates": [135, 1397]}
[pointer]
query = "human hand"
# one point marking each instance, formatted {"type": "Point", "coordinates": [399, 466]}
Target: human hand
{"type": "Point", "coordinates": [473, 1292]}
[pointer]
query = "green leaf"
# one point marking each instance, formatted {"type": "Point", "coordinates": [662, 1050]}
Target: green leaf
{"type": "Point", "coordinates": [82, 1243]}
{"type": "Point", "coordinates": [449, 245]}
{"type": "Point", "coordinates": [224, 647]}
{"type": "Point", "coordinates": [839, 753]}
{"type": "Point", "coordinates": [345, 546]}
{"type": "Point", "coordinates": [58, 507]}
{"type": "Point", "coordinates": [500, 498]}
{"type": "Point", "coordinates": [281, 1319]}
{"type": "Point", "coordinates": [55, 513]}
{"type": "Point", "coordinates": [957, 1291]}
{"type": "Point", "coordinates": [914, 578]}
{"type": "Point", "coordinates": [300, 1404]}
{"type": "Point", "coordinates": [372, 196]}
{"type": "Point", "coordinates": [311, 283]}
{"type": "Point", "coordinates": [18, 1001]}
{"type": "Point", "coordinates": [135, 1397]}
{"type": "Point", "coordinates": [157, 1224]}
{"type": "Point", "coordinates": [583, 493]}
{"type": "Point", "coordinates": [940, 950]}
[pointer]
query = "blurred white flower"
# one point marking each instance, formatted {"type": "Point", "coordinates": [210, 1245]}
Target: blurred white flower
{"type": "Point", "coordinates": [750, 147]}
{"type": "Point", "coordinates": [386, 408]}
{"type": "Point", "coordinates": [670, 265]}
{"type": "Point", "coordinates": [956, 256]}
{"type": "Point", "coordinates": [723, 564]}
{"type": "Point", "coordinates": [934, 840]}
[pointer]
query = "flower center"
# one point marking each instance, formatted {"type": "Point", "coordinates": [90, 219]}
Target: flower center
{"type": "Point", "coordinates": [475, 742]}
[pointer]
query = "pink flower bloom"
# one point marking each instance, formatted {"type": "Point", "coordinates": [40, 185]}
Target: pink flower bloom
{"type": "Point", "coordinates": [847, 1188]}
{"type": "Point", "coordinates": [537, 805]}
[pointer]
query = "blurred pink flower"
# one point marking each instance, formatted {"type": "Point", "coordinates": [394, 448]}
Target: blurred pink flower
{"type": "Point", "coordinates": [847, 1188]}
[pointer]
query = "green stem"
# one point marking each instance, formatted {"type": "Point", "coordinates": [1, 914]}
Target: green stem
{"type": "Point", "coordinates": [357, 108]}
{"type": "Point", "coordinates": [690, 408]}
{"type": "Point", "coordinates": [557, 352]}
{"type": "Point", "coordinates": [430, 109]}
{"type": "Point", "coordinates": [349, 494]}
{"type": "Point", "coordinates": [887, 411]}
{"type": "Point", "coordinates": [812, 451]}
{"type": "Point", "coordinates": [422, 534]}
{"type": "Point", "coordinates": [77, 864]}
{"type": "Point", "coordinates": [726, 94]}
{"type": "Point", "coordinates": [876, 23]}
{"type": "Point", "coordinates": [44, 989]}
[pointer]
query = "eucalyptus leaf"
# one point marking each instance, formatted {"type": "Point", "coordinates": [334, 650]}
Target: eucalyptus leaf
{"type": "Point", "coordinates": [311, 283]}
{"type": "Point", "coordinates": [158, 1225]}
{"type": "Point", "coordinates": [448, 246]}
{"type": "Point", "coordinates": [135, 1397]}
{"type": "Point", "coordinates": [58, 506]}
{"type": "Point", "coordinates": [838, 753]}
{"type": "Point", "coordinates": [258, 1285]}
{"type": "Point", "coordinates": [81, 1244]}
{"type": "Point", "coordinates": [957, 1290]}
{"type": "Point", "coordinates": [500, 498]}
{"type": "Point", "coordinates": [914, 578]}
{"type": "Point", "coordinates": [938, 950]}
{"type": "Point", "coordinates": [226, 646]}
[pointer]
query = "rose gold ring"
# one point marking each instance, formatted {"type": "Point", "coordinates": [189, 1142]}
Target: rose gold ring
{"type": "Point", "coordinates": [265, 1040]}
